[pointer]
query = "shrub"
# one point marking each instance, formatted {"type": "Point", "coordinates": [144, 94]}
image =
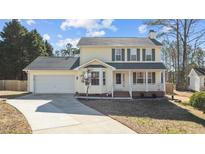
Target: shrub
{"type": "Point", "coordinates": [197, 100]}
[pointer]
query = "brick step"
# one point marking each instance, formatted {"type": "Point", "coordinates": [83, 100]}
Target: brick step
{"type": "Point", "coordinates": [121, 94]}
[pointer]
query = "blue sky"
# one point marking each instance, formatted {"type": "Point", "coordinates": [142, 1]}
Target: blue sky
{"type": "Point", "coordinates": [59, 32]}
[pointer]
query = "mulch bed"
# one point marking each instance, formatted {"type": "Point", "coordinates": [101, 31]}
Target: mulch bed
{"type": "Point", "coordinates": [12, 121]}
{"type": "Point", "coordinates": [150, 116]}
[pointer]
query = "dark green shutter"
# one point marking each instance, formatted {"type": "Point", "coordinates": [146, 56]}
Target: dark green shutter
{"type": "Point", "coordinates": [153, 54]}
{"type": "Point", "coordinates": [143, 54]}
{"type": "Point", "coordinates": [113, 54]}
{"type": "Point", "coordinates": [138, 54]}
{"type": "Point", "coordinates": [153, 77]}
{"type": "Point", "coordinates": [128, 54]}
{"type": "Point", "coordinates": [123, 54]}
{"type": "Point", "coordinates": [134, 77]}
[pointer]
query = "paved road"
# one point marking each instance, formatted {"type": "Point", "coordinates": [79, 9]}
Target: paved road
{"type": "Point", "coordinates": [63, 113]}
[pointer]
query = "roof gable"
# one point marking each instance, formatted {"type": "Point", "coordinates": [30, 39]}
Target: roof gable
{"type": "Point", "coordinates": [118, 41]}
{"type": "Point", "coordinates": [94, 63]}
{"type": "Point", "coordinates": [199, 71]}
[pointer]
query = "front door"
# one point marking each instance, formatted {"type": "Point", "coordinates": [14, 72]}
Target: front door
{"type": "Point", "coordinates": [120, 81]}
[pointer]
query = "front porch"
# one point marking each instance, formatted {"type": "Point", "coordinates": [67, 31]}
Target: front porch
{"type": "Point", "coordinates": [138, 83]}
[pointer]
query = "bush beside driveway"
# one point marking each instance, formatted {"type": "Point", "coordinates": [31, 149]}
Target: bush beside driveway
{"type": "Point", "coordinates": [151, 116]}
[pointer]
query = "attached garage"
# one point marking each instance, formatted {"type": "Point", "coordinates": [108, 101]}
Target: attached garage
{"type": "Point", "coordinates": [54, 83]}
{"type": "Point", "coordinates": [52, 75]}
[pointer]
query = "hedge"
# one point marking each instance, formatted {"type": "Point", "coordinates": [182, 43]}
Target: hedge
{"type": "Point", "coordinates": [197, 100]}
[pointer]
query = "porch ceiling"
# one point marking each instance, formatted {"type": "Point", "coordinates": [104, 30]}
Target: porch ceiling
{"type": "Point", "coordinates": [150, 65]}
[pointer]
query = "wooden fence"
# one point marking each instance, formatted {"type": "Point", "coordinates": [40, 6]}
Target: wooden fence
{"type": "Point", "coordinates": [13, 85]}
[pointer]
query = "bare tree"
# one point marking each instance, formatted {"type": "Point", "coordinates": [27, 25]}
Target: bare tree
{"type": "Point", "coordinates": [86, 78]}
{"type": "Point", "coordinates": [186, 33]}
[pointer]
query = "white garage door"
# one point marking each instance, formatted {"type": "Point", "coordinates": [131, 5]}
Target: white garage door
{"type": "Point", "coordinates": [54, 83]}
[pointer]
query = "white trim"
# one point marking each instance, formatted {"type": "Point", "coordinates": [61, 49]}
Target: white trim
{"type": "Point", "coordinates": [130, 84]}
{"type": "Point", "coordinates": [164, 82]}
{"type": "Point", "coordinates": [146, 80]}
{"type": "Point", "coordinates": [112, 84]}
{"type": "Point", "coordinates": [83, 65]}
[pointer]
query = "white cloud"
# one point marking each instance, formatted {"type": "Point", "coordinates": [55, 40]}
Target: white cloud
{"type": "Point", "coordinates": [93, 27]}
{"type": "Point", "coordinates": [62, 43]}
{"type": "Point", "coordinates": [59, 36]}
{"type": "Point", "coordinates": [30, 22]}
{"type": "Point", "coordinates": [46, 37]}
{"type": "Point", "coordinates": [142, 28]}
{"type": "Point", "coordinates": [95, 33]}
{"type": "Point", "coordinates": [165, 29]}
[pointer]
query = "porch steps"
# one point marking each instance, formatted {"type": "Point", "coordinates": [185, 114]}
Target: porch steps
{"type": "Point", "coordinates": [121, 94]}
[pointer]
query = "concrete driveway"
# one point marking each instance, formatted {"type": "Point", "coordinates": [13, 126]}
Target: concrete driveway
{"type": "Point", "coordinates": [63, 113]}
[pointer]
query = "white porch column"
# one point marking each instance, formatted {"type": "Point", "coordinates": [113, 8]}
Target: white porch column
{"type": "Point", "coordinates": [112, 81]}
{"type": "Point", "coordinates": [130, 85]}
{"type": "Point", "coordinates": [146, 80]}
{"type": "Point", "coordinates": [164, 83]}
{"type": "Point", "coordinates": [101, 79]}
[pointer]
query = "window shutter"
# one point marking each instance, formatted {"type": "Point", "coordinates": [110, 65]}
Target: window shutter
{"type": "Point", "coordinates": [138, 54]}
{"type": "Point", "coordinates": [123, 54]}
{"type": "Point", "coordinates": [153, 77]}
{"type": "Point", "coordinates": [128, 54]}
{"type": "Point", "coordinates": [153, 54]}
{"type": "Point", "coordinates": [134, 77]}
{"type": "Point", "coordinates": [113, 54]}
{"type": "Point", "coordinates": [143, 54]}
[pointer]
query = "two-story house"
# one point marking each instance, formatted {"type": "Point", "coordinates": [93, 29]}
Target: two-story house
{"type": "Point", "coordinates": [118, 66]}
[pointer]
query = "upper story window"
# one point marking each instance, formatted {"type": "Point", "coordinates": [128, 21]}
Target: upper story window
{"type": "Point", "coordinates": [133, 54]}
{"type": "Point", "coordinates": [148, 55]}
{"type": "Point", "coordinates": [118, 54]}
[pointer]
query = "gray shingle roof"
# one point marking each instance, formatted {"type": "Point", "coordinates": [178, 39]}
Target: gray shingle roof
{"type": "Point", "coordinates": [200, 71]}
{"type": "Point", "coordinates": [150, 65]}
{"type": "Point", "coordinates": [117, 41]}
{"type": "Point", "coordinates": [53, 63]}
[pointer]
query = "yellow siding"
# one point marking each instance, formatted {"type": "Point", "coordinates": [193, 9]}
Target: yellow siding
{"type": "Point", "coordinates": [105, 53]}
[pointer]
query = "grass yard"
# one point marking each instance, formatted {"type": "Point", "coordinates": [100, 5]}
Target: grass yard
{"type": "Point", "coordinates": [152, 116]}
{"type": "Point", "coordinates": [12, 121]}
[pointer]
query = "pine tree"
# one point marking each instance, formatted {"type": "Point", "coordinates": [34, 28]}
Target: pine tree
{"type": "Point", "coordinates": [18, 48]}
{"type": "Point", "coordinates": [49, 48]}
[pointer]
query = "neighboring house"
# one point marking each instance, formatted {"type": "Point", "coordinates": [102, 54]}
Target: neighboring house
{"type": "Point", "coordinates": [197, 79]}
{"type": "Point", "coordinates": [119, 66]}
